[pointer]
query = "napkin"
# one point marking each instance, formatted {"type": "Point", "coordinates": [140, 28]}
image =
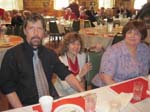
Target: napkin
{"type": "Point", "coordinates": [121, 101]}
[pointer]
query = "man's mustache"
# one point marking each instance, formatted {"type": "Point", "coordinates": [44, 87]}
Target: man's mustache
{"type": "Point", "coordinates": [35, 37]}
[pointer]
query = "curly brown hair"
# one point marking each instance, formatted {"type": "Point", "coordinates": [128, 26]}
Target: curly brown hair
{"type": "Point", "coordinates": [135, 24]}
{"type": "Point", "coordinates": [70, 38]}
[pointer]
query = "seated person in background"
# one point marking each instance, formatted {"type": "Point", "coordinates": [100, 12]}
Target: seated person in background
{"type": "Point", "coordinates": [7, 17]}
{"type": "Point", "coordinates": [126, 59]}
{"type": "Point", "coordinates": [74, 6]}
{"type": "Point", "coordinates": [83, 15]}
{"type": "Point", "coordinates": [69, 15]}
{"type": "Point", "coordinates": [26, 70]}
{"type": "Point", "coordinates": [73, 57]}
{"type": "Point", "coordinates": [90, 17]}
{"type": "Point", "coordinates": [26, 13]}
{"type": "Point", "coordinates": [144, 14]}
{"type": "Point", "coordinates": [17, 18]}
{"type": "Point", "coordinates": [2, 11]}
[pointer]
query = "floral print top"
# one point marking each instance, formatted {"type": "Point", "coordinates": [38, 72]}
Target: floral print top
{"type": "Point", "coordinates": [118, 62]}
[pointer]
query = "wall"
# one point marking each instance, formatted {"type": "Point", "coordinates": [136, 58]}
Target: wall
{"type": "Point", "coordinates": [46, 6]}
{"type": "Point", "coordinates": [43, 6]}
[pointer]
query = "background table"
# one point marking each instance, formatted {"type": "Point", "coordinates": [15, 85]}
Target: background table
{"type": "Point", "coordinates": [7, 42]}
{"type": "Point", "coordinates": [93, 36]}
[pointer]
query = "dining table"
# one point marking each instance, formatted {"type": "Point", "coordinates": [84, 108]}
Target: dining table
{"type": "Point", "coordinates": [98, 35]}
{"type": "Point", "coordinates": [7, 42]}
{"type": "Point", "coordinates": [121, 92]}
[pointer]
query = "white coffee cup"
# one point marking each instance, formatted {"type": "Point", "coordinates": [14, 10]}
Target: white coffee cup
{"type": "Point", "coordinates": [46, 103]}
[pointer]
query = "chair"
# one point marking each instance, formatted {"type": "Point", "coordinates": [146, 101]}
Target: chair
{"type": "Point", "coordinates": [10, 29]}
{"type": "Point", "coordinates": [87, 24]}
{"type": "Point", "coordinates": [95, 59]}
{"type": "Point", "coordinates": [117, 38]}
{"type": "Point", "coordinates": [54, 35]}
{"type": "Point", "coordinates": [54, 39]}
{"type": "Point", "coordinates": [53, 27]}
{"type": "Point", "coordinates": [76, 25]}
{"type": "Point", "coordinates": [18, 30]}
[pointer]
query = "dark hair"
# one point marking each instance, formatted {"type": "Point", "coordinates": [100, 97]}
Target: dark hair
{"type": "Point", "coordinates": [33, 17]}
{"type": "Point", "coordinates": [144, 12]}
{"type": "Point", "coordinates": [135, 24]}
{"type": "Point", "coordinates": [70, 38]}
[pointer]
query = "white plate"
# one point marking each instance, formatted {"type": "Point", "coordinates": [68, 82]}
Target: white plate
{"type": "Point", "coordinates": [69, 108]}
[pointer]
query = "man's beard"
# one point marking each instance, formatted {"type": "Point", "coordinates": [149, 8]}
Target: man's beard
{"type": "Point", "coordinates": [37, 42]}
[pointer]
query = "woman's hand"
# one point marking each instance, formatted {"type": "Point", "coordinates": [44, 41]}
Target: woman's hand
{"type": "Point", "coordinates": [85, 69]}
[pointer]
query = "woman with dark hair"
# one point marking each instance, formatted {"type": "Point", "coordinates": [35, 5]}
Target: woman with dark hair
{"type": "Point", "coordinates": [73, 57]}
{"type": "Point", "coordinates": [126, 59]}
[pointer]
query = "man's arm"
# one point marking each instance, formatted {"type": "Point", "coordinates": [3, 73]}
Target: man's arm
{"type": "Point", "coordinates": [74, 83]}
{"type": "Point", "coordinates": [14, 100]}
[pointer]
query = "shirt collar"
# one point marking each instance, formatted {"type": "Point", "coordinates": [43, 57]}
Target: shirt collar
{"type": "Point", "coordinates": [30, 49]}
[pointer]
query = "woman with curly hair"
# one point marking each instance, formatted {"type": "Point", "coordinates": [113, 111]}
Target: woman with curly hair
{"type": "Point", "coordinates": [73, 57]}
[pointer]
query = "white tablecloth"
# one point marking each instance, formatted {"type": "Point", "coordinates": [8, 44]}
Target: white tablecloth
{"type": "Point", "coordinates": [93, 36]}
{"type": "Point", "coordinates": [103, 94]}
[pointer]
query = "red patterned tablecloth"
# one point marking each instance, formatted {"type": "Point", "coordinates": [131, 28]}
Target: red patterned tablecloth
{"type": "Point", "coordinates": [127, 87]}
{"type": "Point", "coordinates": [77, 100]}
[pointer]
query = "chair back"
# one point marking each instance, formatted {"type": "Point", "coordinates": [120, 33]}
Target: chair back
{"type": "Point", "coordinates": [95, 59]}
{"type": "Point", "coordinates": [117, 38]}
{"type": "Point", "coordinates": [10, 29]}
{"type": "Point", "coordinates": [53, 27]}
{"type": "Point", "coordinates": [76, 25]}
{"type": "Point", "coordinates": [18, 30]}
{"type": "Point", "coordinates": [87, 24]}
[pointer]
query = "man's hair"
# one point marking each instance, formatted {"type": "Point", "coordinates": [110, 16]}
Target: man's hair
{"type": "Point", "coordinates": [34, 17]}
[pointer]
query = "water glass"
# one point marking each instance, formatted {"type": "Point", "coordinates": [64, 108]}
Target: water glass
{"type": "Point", "coordinates": [110, 27]}
{"type": "Point", "coordinates": [137, 90]}
{"type": "Point", "coordinates": [114, 106]}
{"type": "Point", "coordinates": [46, 103]}
{"type": "Point", "coordinates": [90, 102]}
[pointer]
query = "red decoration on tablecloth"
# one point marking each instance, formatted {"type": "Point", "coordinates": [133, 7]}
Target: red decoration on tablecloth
{"type": "Point", "coordinates": [127, 87]}
{"type": "Point", "coordinates": [77, 100]}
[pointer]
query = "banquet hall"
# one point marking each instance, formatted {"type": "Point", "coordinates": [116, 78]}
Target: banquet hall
{"type": "Point", "coordinates": [100, 24]}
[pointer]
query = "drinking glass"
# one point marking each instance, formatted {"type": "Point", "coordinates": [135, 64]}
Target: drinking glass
{"type": "Point", "coordinates": [46, 103]}
{"type": "Point", "coordinates": [137, 90]}
{"type": "Point", "coordinates": [90, 102]}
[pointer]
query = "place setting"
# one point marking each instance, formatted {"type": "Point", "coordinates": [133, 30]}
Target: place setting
{"type": "Point", "coordinates": [85, 103]}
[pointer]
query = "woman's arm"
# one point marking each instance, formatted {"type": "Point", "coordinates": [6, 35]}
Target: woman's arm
{"type": "Point", "coordinates": [107, 79]}
{"type": "Point", "coordinates": [74, 83]}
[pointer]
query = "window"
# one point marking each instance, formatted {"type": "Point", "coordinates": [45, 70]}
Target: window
{"type": "Point", "coordinates": [106, 3]}
{"type": "Point", "coordinates": [58, 5]}
{"type": "Point", "coordinates": [139, 3]}
{"type": "Point", "coordinates": [11, 4]}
